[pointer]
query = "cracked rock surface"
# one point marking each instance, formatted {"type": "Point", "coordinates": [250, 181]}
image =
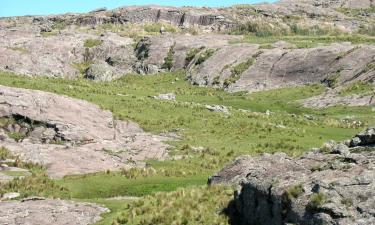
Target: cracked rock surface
{"type": "Point", "coordinates": [337, 187]}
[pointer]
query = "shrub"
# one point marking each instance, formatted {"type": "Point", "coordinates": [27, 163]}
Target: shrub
{"type": "Point", "coordinates": [82, 66]}
{"type": "Point", "coordinates": [156, 27]}
{"type": "Point", "coordinates": [90, 43]}
{"type": "Point", "coordinates": [168, 61]}
{"type": "Point", "coordinates": [260, 29]}
{"type": "Point", "coordinates": [59, 25]}
{"type": "Point", "coordinates": [204, 56]}
{"type": "Point", "coordinates": [49, 34]}
{"type": "Point", "coordinates": [237, 70]}
{"type": "Point", "coordinates": [5, 154]}
{"type": "Point", "coordinates": [134, 173]}
{"type": "Point", "coordinates": [332, 80]}
{"type": "Point", "coordinates": [190, 55]}
{"type": "Point", "coordinates": [295, 191]}
{"type": "Point", "coordinates": [216, 80]}
{"type": "Point", "coordinates": [316, 200]}
{"type": "Point", "coordinates": [16, 136]}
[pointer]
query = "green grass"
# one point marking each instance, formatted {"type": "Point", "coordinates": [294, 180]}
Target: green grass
{"type": "Point", "coordinates": [247, 130]}
{"type": "Point", "coordinates": [15, 173]}
{"type": "Point", "coordinates": [156, 27]}
{"type": "Point", "coordinates": [19, 49]}
{"type": "Point", "coordinates": [203, 56]}
{"type": "Point", "coordinates": [90, 43]}
{"type": "Point", "coordinates": [168, 61]}
{"type": "Point", "coordinates": [16, 136]}
{"type": "Point", "coordinates": [5, 154]}
{"type": "Point", "coordinates": [128, 99]}
{"type": "Point", "coordinates": [317, 200]}
{"type": "Point", "coordinates": [303, 41]}
{"type": "Point", "coordinates": [199, 205]}
{"type": "Point", "coordinates": [82, 67]}
{"type": "Point", "coordinates": [104, 185]}
{"type": "Point", "coordinates": [358, 88]}
{"type": "Point", "coordinates": [116, 207]}
{"type": "Point", "coordinates": [190, 55]}
{"type": "Point", "coordinates": [36, 184]}
{"type": "Point", "coordinates": [49, 34]}
{"type": "Point", "coordinates": [237, 70]}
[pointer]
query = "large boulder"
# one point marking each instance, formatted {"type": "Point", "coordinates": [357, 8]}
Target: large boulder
{"type": "Point", "coordinates": [71, 136]}
{"type": "Point", "coordinates": [366, 138]}
{"type": "Point", "coordinates": [102, 72]}
{"type": "Point", "coordinates": [316, 188]}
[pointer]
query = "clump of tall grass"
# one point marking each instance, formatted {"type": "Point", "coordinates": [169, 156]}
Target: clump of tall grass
{"type": "Point", "coordinates": [37, 184]}
{"type": "Point", "coordinates": [190, 206]}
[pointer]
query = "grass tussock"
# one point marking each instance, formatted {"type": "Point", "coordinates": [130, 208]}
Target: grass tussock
{"type": "Point", "coordinates": [199, 205]}
{"type": "Point", "coordinates": [36, 184]}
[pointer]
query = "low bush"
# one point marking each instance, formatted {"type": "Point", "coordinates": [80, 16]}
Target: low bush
{"type": "Point", "coordinates": [204, 56]}
{"type": "Point", "coordinates": [90, 43]}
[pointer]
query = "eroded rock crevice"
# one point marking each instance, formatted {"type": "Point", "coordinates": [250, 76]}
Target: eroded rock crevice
{"type": "Point", "coordinates": [19, 128]}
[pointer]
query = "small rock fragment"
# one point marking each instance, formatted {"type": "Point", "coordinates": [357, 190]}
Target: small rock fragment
{"type": "Point", "coordinates": [218, 108]}
{"type": "Point", "coordinates": [10, 196]}
{"type": "Point", "coordinates": [167, 97]}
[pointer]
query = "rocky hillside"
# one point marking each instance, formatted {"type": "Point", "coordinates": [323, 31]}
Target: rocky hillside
{"type": "Point", "coordinates": [105, 45]}
{"type": "Point", "coordinates": [332, 185]}
{"type": "Point", "coordinates": [132, 109]}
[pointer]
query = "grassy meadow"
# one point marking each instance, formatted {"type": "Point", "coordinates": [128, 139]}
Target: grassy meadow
{"type": "Point", "coordinates": [263, 122]}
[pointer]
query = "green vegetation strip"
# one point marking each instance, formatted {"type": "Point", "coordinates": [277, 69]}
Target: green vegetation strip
{"type": "Point", "coordinates": [302, 41]}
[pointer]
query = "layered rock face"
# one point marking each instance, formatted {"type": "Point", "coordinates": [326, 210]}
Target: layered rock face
{"type": "Point", "coordinates": [336, 187]}
{"type": "Point", "coordinates": [71, 136]}
{"type": "Point", "coordinates": [279, 67]}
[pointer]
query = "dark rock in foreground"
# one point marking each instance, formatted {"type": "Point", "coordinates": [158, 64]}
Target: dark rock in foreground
{"type": "Point", "coordinates": [317, 188]}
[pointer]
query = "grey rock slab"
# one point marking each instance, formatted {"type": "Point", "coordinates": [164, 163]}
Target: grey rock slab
{"type": "Point", "coordinates": [44, 212]}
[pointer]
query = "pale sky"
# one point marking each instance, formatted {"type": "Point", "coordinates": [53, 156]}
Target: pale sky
{"type": "Point", "coordinates": [45, 7]}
